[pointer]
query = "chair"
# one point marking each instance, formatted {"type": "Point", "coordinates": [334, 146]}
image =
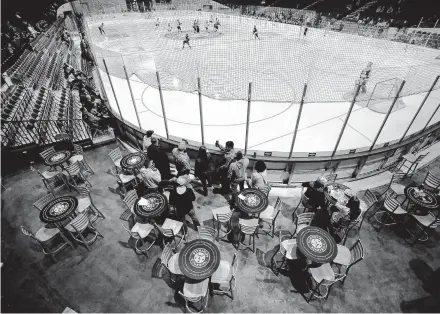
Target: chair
{"type": "Point", "coordinates": [79, 157]}
{"type": "Point", "coordinates": [392, 207]}
{"type": "Point", "coordinates": [266, 189]}
{"type": "Point", "coordinates": [74, 172]}
{"type": "Point", "coordinates": [85, 202]}
{"type": "Point", "coordinates": [331, 177]}
{"type": "Point", "coordinates": [129, 200]}
{"type": "Point", "coordinates": [269, 216]}
{"type": "Point", "coordinates": [249, 227]}
{"type": "Point", "coordinates": [323, 277]}
{"type": "Point", "coordinates": [116, 157]}
{"type": "Point", "coordinates": [222, 216]}
{"type": "Point", "coordinates": [50, 181]}
{"type": "Point", "coordinates": [349, 257]}
{"type": "Point", "coordinates": [48, 152]}
{"type": "Point", "coordinates": [303, 220]}
{"type": "Point", "coordinates": [171, 229]}
{"type": "Point", "coordinates": [165, 257]}
{"type": "Point", "coordinates": [123, 179]}
{"type": "Point", "coordinates": [424, 223]}
{"type": "Point", "coordinates": [431, 182]}
{"type": "Point", "coordinates": [207, 233]}
{"type": "Point", "coordinates": [394, 186]}
{"type": "Point", "coordinates": [370, 201]}
{"type": "Point", "coordinates": [304, 201]}
{"type": "Point", "coordinates": [203, 299]}
{"type": "Point", "coordinates": [41, 202]}
{"type": "Point", "coordinates": [79, 225]}
{"type": "Point", "coordinates": [287, 250]}
{"type": "Point", "coordinates": [44, 237]}
{"type": "Point", "coordinates": [413, 161]}
{"type": "Point", "coordinates": [139, 232]}
{"type": "Point", "coordinates": [225, 275]}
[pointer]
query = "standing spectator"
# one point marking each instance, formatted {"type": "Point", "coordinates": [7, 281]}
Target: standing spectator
{"type": "Point", "coordinates": [160, 159]}
{"type": "Point", "coordinates": [339, 221]}
{"type": "Point", "coordinates": [203, 168]}
{"type": "Point", "coordinates": [315, 192]}
{"type": "Point", "coordinates": [258, 177]}
{"type": "Point", "coordinates": [101, 28]}
{"type": "Point", "coordinates": [181, 158]}
{"type": "Point", "coordinates": [151, 176]}
{"type": "Point", "coordinates": [147, 140]}
{"type": "Point", "coordinates": [237, 172]}
{"type": "Point", "coordinates": [182, 198]}
{"type": "Point", "coordinates": [353, 204]}
{"type": "Point", "coordinates": [221, 173]}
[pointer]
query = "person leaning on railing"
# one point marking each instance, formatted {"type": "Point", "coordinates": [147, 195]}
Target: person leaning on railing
{"type": "Point", "coordinates": [222, 166]}
{"type": "Point", "coordinates": [315, 192]}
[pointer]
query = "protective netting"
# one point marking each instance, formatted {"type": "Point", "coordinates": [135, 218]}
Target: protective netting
{"type": "Point", "coordinates": [329, 58]}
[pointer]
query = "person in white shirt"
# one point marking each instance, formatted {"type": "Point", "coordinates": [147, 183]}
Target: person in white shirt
{"type": "Point", "coordinates": [147, 140]}
{"type": "Point", "coordinates": [151, 176]}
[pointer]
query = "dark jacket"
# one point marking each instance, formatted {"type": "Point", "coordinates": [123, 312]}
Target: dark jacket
{"type": "Point", "coordinates": [316, 197]}
{"type": "Point", "coordinates": [355, 209]}
{"type": "Point", "coordinates": [183, 202]}
{"type": "Point", "coordinates": [203, 166]}
{"type": "Point", "coordinates": [160, 159]}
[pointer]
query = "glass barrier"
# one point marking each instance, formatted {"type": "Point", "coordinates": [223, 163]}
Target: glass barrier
{"type": "Point", "coordinates": [227, 83]}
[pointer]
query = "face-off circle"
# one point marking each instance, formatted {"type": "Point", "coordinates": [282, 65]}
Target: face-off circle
{"type": "Point", "coordinates": [199, 259]}
{"type": "Point", "coordinates": [58, 209]}
{"type": "Point", "coordinates": [252, 201]}
{"type": "Point", "coordinates": [317, 245]}
{"type": "Point", "coordinates": [156, 203]}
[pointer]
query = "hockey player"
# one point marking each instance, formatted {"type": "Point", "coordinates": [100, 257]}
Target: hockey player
{"type": "Point", "coordinates": [365, 76]}
{"type": "Point", "coordinates": [179, 28]}
{"type": "Point", "coordinates": [255, 32]}
{"type": "Point", "coordinates": [186, 41]}
{"type": "Point", "coordinates": [206, 25]}
{"type": "Point", "coordinates": [170, 27]}
{"type": "Point", "coordinates": [157, 23]}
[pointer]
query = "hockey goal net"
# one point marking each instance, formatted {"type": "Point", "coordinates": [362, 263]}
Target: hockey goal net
{"type": "Point", "coordinates": [383, 94]}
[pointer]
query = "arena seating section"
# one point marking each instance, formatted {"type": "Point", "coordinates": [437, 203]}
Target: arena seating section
{"type": "Point", "coordinates": [40, 104]}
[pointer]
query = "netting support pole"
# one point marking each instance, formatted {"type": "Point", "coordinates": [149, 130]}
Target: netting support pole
{"type": "Point", "coordinates": [346, 119]}
{"type": "Point", "coordinates": [163, 106]}
{"type": "Point", "coordinates": [429, 36]}
{"type": "Point", "coordinates": [432, 116]}
{"type": "Point", "coordinates": [420, 108]}
{"type": "Point", "coordinates": [199, 86]}
{"type": "Point", "coordinates": [247, 119]}
{"type": "Point", "coordinates": [415, 31]}
{"type": "Point", "coordinates": [132, 97]}
{"type": "Point", "coordinates": [298, 119]}
{"type": "Point", "coordinates": [113, 90]}
{"type": "Point", "coordinates": [388, 114]}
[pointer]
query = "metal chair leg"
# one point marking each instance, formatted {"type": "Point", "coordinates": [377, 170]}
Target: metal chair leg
{"type": "Point", "coordinates": [84, 241]}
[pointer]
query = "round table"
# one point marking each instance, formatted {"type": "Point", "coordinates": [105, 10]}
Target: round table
{"type": "Point", "coordinates": [252, 201]}
{"type": "Point", "coordinates": [422, 198]}
{"type": "Point", "coordinates": [334, 192]}
{"type": "Point", "coordinates": [317, 245]}
{"type": "Point", "coordinates": [58, 209]}
{"type": "Point", "coordinates": [57, 158]}
{"type": "Point", "coordinates": [133, 161]}
{"type": "Point", "coordinates": [156, 204]}
{"type": "Point", "coordinates": [199, 259]}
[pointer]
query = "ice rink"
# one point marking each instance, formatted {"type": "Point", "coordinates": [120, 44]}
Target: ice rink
{"type": "Point", "coordinates": [278, 65]}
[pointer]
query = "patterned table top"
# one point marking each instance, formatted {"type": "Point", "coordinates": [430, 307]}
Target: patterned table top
{"type": "Point", "coordinates": [423, 198]}
{"type": "Point", "coordinates": [58, 209]}
{"type": "Point", "coordinates": [133, 160]}
{"type": "Point", "coordinates": [150, 205]}
{"type": "Point", "coordinates": [57, 158]}
{"type": "Point", "coordinates": [252, 201]}
{"type": "Point", "coordinates": [317, 245]}
{"type": "Point", "coordinates": [199, 259]}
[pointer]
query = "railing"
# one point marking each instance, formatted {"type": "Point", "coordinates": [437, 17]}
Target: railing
{"type": "Point", "coordinates": [16, 134]}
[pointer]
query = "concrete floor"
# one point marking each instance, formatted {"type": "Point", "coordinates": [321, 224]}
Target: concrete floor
{"type": "Point", "coordinates": [111, 278]}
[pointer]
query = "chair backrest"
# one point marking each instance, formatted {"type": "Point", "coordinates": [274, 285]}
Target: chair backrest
{"type": "Point", "coordinates": [390, 203]}
{"type": "Point", "coordinates": [130, 199]}
{"type": "Point", "coordinates": [305, 219]}
{"type": "Point", "coordinates": [46, 153]}
{"type": "Point", "coordinates": [357, 252]}
{"type": "Point", "coordinates": [73, 169]}
{"type": "Point", "coordinates": [78, 149]}
{"type": "Point", "coordinates": [234, 264]}
{"type": "Point", "coordinates": [41, 202]}
{"type": "Point", "coordinates": [190, 299]}
{"type": "Point", "coordinates": [266, 189]}
{"type": "Point", "coordinates": [224, 217]}
{"type": "Point", "coordinates": [115, 154]}
{"type": "Point", "coordinates": [420, 157]}
{"type": "Point", "coordinates": [167, 253]}
{"type": "Point", "coordinates": [331, 177]}
{"type": "Point", "coordinates": [207, 233]}
{"type": "Point", "coordinates": [431, 181]}
{"type": "Point", "coordinates": [369, 198]}
{"type": "Point", "coordinates": [250, 227]}
{"type": "Point", "coordinates": [277, 207]}
{"type": "Point", "coordinates": [397, 177]}
{"type": "Point", "coordinates": [131, 233]}
{"type": "Point", "coordinates": [28, 233]}
{"type": "Point", "coordinates": [82, 190]}
{"type": "Point", "coordinates": [80, 221]}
